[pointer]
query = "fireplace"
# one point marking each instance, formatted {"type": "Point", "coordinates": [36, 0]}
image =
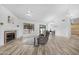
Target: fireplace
{"type": "Point", "coordinates": [9, 36]}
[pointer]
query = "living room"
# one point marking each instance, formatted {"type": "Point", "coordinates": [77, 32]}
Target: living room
{"type": "Point", "coordinates": [25, 22]}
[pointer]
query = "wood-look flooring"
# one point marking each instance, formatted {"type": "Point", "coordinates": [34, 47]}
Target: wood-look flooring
{"type": "Point", "coordinates": [54, 46]}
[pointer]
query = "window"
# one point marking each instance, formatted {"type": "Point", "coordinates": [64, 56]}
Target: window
{"type": "Point", "coordinates": [29, 27]}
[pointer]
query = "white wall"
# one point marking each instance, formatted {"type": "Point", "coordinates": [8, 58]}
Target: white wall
{"type": "Point", "coordinates": [61, 28]}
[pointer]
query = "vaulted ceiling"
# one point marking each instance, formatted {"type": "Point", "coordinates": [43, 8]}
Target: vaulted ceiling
{"type": "Point", "coordinates": [42, 12]}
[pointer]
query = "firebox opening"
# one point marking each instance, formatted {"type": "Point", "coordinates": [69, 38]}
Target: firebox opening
{"type": "Point", "coordinates": [9, 36]}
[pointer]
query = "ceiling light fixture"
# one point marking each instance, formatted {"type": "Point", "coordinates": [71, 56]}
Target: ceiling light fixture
{"type": "Point", "coordinates": [28, 13]}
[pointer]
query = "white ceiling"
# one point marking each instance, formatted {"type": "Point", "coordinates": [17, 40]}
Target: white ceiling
{"type": "Point", "coordinates": [42, 12]}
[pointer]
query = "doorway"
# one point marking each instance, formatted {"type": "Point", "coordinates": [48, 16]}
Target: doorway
{"type": "Point", "coordinates": [42, 29]}
{"type": "Point", "coordinates": [75, 27]}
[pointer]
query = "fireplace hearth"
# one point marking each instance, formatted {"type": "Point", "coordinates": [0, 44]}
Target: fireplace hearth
{"type": "Point", "coordinates": [9, 36]}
